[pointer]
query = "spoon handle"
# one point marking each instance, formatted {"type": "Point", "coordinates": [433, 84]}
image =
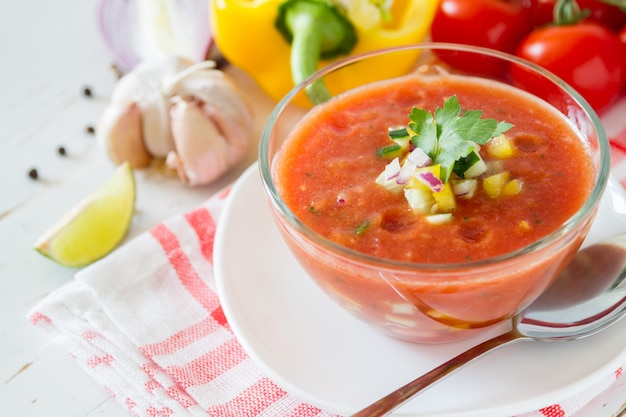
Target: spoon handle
{"type": "Point", "coordinates": [394, 399]}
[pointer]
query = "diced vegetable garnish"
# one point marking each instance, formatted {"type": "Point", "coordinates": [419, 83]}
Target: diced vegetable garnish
{"type": "Point", "coordinates": [362, 227]}
{"type": "Point", "coordinates": [512, 188]}
{"type": "Point", "coordinates": [500, 147]}
{"type": "Point", "coordinates": [415, 182]}
{"type": "Point", "coordinates": [430, 180]}
{"type": "Point", "coordinates": [420, 200]}
{"type": "Point", "coordinates": [470, 166]}
{"type": "Point", "coordinates": [439, 218]}
{"type": "Point", "coordinates": [494, 167]}
{"type": "Point", "coordinates": [391, 151]}
{"type": "Point", "coordinates": [437, 158]}
{"type": "Point", "coordinates": [388, 178]}
{"type": "Point", "coordinates": [524, 225]}
{"type": "Point", "coordinates": [445, 199]}
{"type": "Point", "coordinates": [493, 184]}
{"type": "Point", "coordinates": [399, 133]}
{"type": "Point", "coordinates": [402, 308]}
{"type": "Point", "coordinates": [464, 188]}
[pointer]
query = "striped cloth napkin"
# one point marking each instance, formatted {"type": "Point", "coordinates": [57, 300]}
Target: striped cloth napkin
{"type": "Point", "coordinates": [146, 323]}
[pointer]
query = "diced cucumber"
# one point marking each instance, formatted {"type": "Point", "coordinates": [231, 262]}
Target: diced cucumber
{"type": "Point", "coordinates": [404, 143]}
{"type": "Point", "coordinates": [470, 166]}
{"type": "Point", "coordinates": [390, 152]}
{"type": "Point", "coordinates": [464, 188]}
{"type": "Point", "coordinates": [401, 133]}
{"type": "Point", "coordinates": [420, 200]}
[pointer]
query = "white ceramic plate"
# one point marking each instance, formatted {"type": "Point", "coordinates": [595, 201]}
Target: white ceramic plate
{"type": "Point", "coordinates": [318, 352]}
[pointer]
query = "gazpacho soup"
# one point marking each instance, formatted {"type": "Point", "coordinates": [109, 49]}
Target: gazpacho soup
{"type": "Point", "coordinates": [434, 170]}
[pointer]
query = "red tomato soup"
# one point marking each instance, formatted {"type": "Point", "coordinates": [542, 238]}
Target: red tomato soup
{"type": "Point", "coordinates": [326, 173]}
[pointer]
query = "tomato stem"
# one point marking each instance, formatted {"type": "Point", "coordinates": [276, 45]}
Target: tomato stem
{"type": "Point", "coordinates": [567, 12]}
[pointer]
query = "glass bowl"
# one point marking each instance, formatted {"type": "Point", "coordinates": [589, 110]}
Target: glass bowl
{"type": "Point", "coordinates": [432, 301]}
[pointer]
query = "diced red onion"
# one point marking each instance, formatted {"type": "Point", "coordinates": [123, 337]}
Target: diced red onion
{"type": "Point", "coordinates": [430, 180]}
{"type": "Point", "coordinates": [419, 158]}
{"type": "Point", "coordinates": [122, 24]}
{"type": "Point", "coordinates": [408, 167]}
{"type": "Point", "coordinates": [392, 170]}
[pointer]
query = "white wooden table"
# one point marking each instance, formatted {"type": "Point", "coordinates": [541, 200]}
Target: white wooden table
{"type": "Point", "coordinates": [51, 51]}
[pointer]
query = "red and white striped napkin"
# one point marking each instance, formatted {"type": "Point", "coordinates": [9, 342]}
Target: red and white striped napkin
{"type": "Point", "coordinates": [146, 323]}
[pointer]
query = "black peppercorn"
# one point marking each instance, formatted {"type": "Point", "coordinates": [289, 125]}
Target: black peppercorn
{"type": "Point", "coordinates": [87, 92]}
{"type": "Point", "coordinates": [61, 150]}
{"type": "Point", "coordinates": [33, 173]}
{"type": "Point", "coordinates": [90, 130]}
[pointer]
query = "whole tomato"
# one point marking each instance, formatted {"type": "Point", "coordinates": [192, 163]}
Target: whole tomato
{"type": "Point", "coordinates": [622, 38]}
{"type": "Point", "coordinates": [598, 11]}
{"type": "Point", "coordinates": [587, 56]}
{"type": "Point", "coordinates": [601, 12]}
{"type": "Point", "coordinates": [492, 24]}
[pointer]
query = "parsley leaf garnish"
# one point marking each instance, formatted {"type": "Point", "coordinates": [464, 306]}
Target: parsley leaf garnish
{"type": "Point", "coordinates": [450, 134]}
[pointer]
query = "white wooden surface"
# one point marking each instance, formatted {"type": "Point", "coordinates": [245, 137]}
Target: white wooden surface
{"type": "Point", "coordinates": [51, 50]}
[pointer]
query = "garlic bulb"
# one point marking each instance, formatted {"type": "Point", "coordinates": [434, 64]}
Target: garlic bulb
{"type": "Point", "coordinates": [191, 115]}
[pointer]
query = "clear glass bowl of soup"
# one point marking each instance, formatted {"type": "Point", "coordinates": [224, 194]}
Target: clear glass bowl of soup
{"type": "Point", "coordinates": [418, 275]}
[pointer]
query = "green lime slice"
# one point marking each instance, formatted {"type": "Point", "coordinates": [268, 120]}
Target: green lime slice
{"type": "Point", "coordinates": [95, 226]}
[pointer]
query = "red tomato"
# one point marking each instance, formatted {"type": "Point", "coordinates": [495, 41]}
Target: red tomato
{"type": "Point", "coordinates": [543, 12]}
{"type": "Point", "coordinates": [587, 56]}
{"type": "Point", "coordinates": [600, 12]}
{"type": "Point", "coordinates": [622, 38]}
{"type": "Point", "coordinates": [492, 24]}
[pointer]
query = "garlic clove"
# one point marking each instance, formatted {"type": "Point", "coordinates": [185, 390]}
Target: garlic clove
{"type": "Point", "coordinates": [144, 86]}
{"type": "Point", "coordinates": [156, 129]}
{"type": "Point", "coordinates": [231, 114]}
{"type": "Point", "coordinates": [223, 103]}
{"type": "Point", "coordinates": [202, 153]}
{"type": "Point", "coordinates": [119, 132]}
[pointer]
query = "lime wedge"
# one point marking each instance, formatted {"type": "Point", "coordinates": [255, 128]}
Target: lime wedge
{"type": "Point", "coordinates": [95, 226]}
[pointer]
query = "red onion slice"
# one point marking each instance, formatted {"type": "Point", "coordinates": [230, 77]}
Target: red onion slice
{"type": "Point", "coordinates": [132, 35]}
{"type": "Point", "coordinates": [430, 180]}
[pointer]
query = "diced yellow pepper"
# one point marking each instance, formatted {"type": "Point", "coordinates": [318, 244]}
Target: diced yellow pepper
{"type": "Point", "coordinates": [500, 147]}
{"type": "Point", "coordinates": [513, 187]}
{"type": "Point", "coordinates": [413, 182]}
{"type": "Point", "coordinates": [493, 184]}
{"type": "Point", "coordinates": [445, 199]}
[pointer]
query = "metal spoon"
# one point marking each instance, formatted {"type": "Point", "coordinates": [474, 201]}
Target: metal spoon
{"type": "Point", "coordinates": [588, 296]}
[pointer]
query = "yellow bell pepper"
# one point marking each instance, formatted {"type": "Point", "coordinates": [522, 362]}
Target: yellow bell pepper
{"type": "Point", "coordinates": [247, 36]}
